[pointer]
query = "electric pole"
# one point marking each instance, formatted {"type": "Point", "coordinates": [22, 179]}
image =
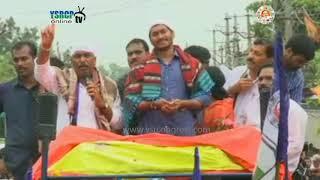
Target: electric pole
{"type": "Point", "coordinates": [278, 25]}
{"type": "Point", "coordinates": [221, 55]}
{"type": "Point", "coordinates": [248, 29]}
{"type": "Point", "coordinates": [227, 33]}
{"type": "Point", "coordinates": [288, 27]}
{"type": "Point", "coordinates": [235, 61]}
{"type": "Point", "coordinates": [214, 51]}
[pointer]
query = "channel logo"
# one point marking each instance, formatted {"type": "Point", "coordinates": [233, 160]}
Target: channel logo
{"type": "Point", "coordinates": [67, 16]}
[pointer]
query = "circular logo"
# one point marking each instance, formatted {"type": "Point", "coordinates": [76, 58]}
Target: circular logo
{"type": "Point", "coordinates": [265, 14]}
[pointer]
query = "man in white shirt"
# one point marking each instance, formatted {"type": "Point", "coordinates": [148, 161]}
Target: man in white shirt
{"type": "Point", "coordinates": [242, 85]}
{"type": "Point", "coordinates": [297, 118]}
{"type": "Point", "coordinates": [91, 99]}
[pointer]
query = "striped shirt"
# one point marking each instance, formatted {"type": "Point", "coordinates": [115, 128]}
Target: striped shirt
{"type": "Point", "coordinates": [295, 85]}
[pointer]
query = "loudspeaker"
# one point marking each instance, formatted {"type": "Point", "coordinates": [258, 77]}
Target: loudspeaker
{"type": "Point", "coordinates": [47, 115]}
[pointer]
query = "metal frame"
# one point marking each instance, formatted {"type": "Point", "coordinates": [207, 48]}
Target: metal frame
{"type": "Point", "coordinates": [231, 175]}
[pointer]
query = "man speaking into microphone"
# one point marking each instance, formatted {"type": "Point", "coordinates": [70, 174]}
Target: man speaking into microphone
{"type": "Point", "coordinates": [90, 100]}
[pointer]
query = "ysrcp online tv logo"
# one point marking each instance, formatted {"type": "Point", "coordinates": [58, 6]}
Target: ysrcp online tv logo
{"type": "Point", "coordinates": [67, 16]}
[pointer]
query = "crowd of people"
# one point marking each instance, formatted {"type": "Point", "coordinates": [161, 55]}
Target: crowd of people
{"type": "Point", "coordinates": [168, 90]}
{"type": "Point", "coordinates": [309, 165]}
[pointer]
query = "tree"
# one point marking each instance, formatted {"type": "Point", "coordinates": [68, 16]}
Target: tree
{"type": "Point", "coordinates": [7, 70]}
{"type": "Point", "coordinates": [103, 70]}
{"type": "Point", "coordinates": [66, 58]}
{"type": "Point", "coordinates": [258, 29]}
{"type": "Point", "coordinates": [116, 71]}
{"type": "Point", "coordinates": [312, 72]}
{"type": "Point", "coordinates": [312, 7]}
{"type": "Point", "coordinates": [12, 34]}
{"type": "Point", "coordinates": [295, 16]}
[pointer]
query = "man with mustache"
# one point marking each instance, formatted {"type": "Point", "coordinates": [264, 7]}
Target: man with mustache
{"type": "Point", "coordinates": [173, 87]}
{"type": "Point", "coordinates": [92, 99]}
{"type": "Point", "coordinates": [18, 100]}
{"type": "Point", "coordinates": [137, 50]}
{"type": "Point", "coordinates": [299, 51]}
{"type": "Point", "coordinates": [297, 117]}
{"type": "Point", "coordinates": [241, 84]}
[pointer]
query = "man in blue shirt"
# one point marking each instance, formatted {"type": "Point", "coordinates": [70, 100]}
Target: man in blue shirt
{"type": "Point", "coordinates": [174, 87]}
{"type": "Point", "coordinates": [18, 102]}
{"type": "Point", "coordinates": [299, 50]}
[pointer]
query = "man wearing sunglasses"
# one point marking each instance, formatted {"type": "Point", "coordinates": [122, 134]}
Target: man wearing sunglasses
{"type": "Point", "coordinates": [92, 99]}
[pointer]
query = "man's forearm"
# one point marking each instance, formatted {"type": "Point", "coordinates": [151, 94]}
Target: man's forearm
{"type": "Point", "coordinates": [43, 56]}
{"type": "Point", "coordinates": [145, 106]}
{"type": "Point", "coordinates": [105, 109]}
{"type": "Point", "coordinates": [192, 104]}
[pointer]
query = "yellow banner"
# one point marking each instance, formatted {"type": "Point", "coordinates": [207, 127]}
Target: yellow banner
{"type": "Point", "coordinates": [118, 157]}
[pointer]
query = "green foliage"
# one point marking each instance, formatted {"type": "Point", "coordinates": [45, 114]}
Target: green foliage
{"type": "Point", "coordinates": [312, 6]}
{"type": "Point", "coordinates": [116, 71]}
{"type": "Point", "coordinates": [313, 9]}
{"type": "Point", "coordinates": [2, 122]}
{"type": "Point", "coordinates": [313, 103]}
{"type": "Point", "coordinates": [312, 72]}
{"type": "Point", "coordinates": [312, 79]}
{"type": "Point", "coordinates": [258, 29]}
{"type": "Point", "coordinates": [261, 30]}
{"type": "Point", "coordinates": [11, 34]}
{"type": "Point", "coordinates": [66, 58]}
{"type": "Point", "coordinates": [7, 70]}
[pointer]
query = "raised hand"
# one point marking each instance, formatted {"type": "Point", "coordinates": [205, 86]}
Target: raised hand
{"type": "Point", "coordinates": [47, 36]}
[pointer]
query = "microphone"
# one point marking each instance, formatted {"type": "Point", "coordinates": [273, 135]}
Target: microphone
{"type": "Point", "coordinates": [87, 79]}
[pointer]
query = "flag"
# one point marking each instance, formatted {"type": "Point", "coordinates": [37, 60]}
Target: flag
{"type": "Point", "coordinates": [272, 160]}
{"type": "Point", "coordinates": [196, 171]}
{"type": "Point", "coordinates": [281, 86]}
{"type": "Point", "coordinates": [312, 28]}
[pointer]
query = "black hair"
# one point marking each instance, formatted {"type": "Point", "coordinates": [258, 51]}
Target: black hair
{"type": "Point", "coordinates": [265, 66]}
{"type": "Point", "coordinates": [267, 44]}
{"type": "Point", "coordinates": [21, 44]}
{"type": "Point", "coordinates": [137, 41]}
{"type": "Point", "coordinates": [217, 92]}
{"type": "Point", "coordinates": [303, 45]}
{"type": "Point", "coordinates": [199, 52]}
